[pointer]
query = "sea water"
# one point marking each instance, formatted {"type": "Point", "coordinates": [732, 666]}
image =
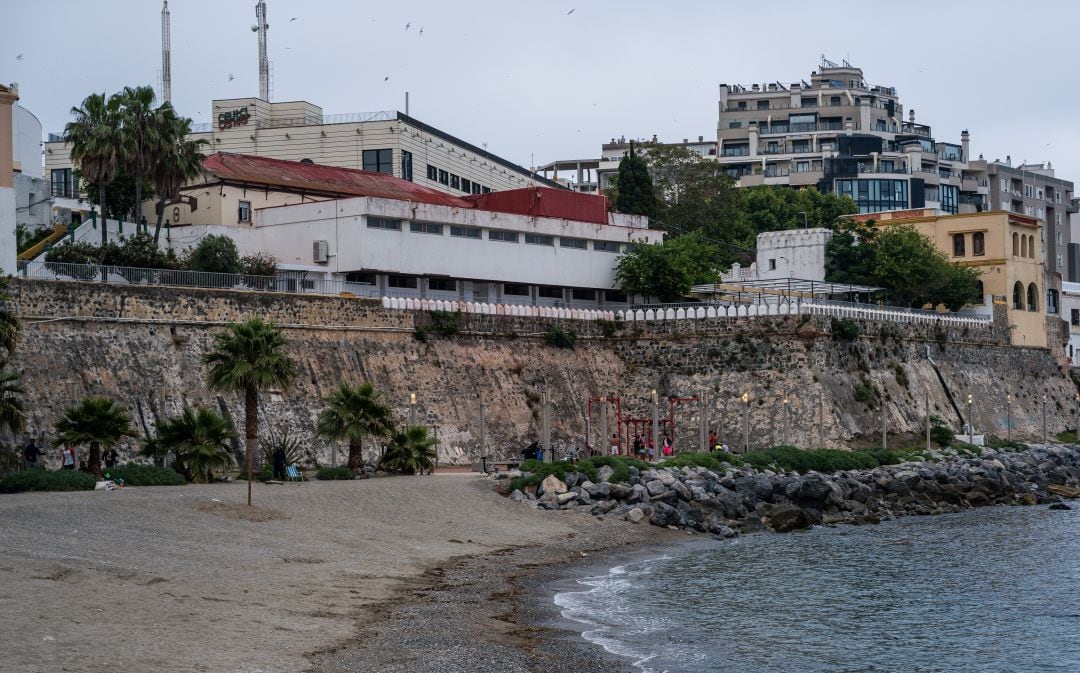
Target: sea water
{"type": "Point", "coordinates": [992, 590]}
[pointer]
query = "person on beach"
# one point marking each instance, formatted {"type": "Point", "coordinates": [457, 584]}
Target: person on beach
{"type": "Point", "coordinates": [668, 449]}
{"type": "Point", "coordinates": [83, 467]}
{"type": "Point", "coordinates": [613, 445]}
{"type": "Point", "coordinates": [67, 458]}
{"type": "Point", "coordinates": [31, 454]}
{"type": "Point", "coordinates": [279, 463]}
{"type": "Point", "coordinates": [651, 450]}
{"type": "Point", "coordinates": [712, 441]}
{"type": "Point", "coordinates": [639, 447]}
{"type": "Point", "coordinates": [110, 459]}
{"type": "Point", "coordinates": [725, 448]}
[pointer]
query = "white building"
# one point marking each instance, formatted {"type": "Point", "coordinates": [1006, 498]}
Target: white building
{"type": "Point", "coordinates": [383, 235]}
{"type": "Point", "coordinates": [1070, 311]}
{"type": "Point", "coordinates": [793, 253]}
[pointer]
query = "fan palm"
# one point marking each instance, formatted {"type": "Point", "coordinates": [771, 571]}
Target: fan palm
{"type": "Point", "coordinates": [180, 161]}
{"type": "Point", "coordinates": [143, 133]}
{"type": "Point", "coordinates": [200, 439]}
{"type": "Point", "coordinates": [411, 451]}
{"type": "Point", "coordinates": [249, 357]}
{"type": "Point", "coordinates": [98, 422]}
{"type": "Point", "coordinates": [355, 412]}
{"type": "Point", "coordinates": [12, 413]}
{"type": "Point", "coordinates": [96, 147]}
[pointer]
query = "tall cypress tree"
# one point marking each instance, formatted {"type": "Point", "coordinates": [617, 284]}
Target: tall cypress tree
{"type": "Point", "coordinates": [636, 194]}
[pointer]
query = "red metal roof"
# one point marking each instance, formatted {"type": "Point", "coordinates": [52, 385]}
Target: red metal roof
{"type": "Point", "coordinates": [323, 179]}
{"type": "Point", "coordinates": [545, 202]}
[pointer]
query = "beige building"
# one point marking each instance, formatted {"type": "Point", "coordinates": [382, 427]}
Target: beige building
{"type": "Point", "coordinates": [1005, 247]}
{"type": "Point", "coordinates": [384, 142]}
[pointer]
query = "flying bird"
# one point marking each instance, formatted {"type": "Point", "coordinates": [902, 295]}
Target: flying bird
{"type": "Point", "coordinates": [408, 25]}
{"type": "Point", "coordinates": [293, 19]}
{"type": "Point", "coordinates": [19, 57]}
{"type": "Point", "coordinates": [571, 11]}
{"type": "Point", "coordinates": [386, 79]}
{"type": "Point", "coordinates": [231, 77]}
{"type": "Point", "coordinates": [421, 30]}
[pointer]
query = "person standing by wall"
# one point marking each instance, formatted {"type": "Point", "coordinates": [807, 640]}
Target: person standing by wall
{"type": "Point", "coordinates": [31, 454]}
{"type": "Point", "coordinates": [67, 458]}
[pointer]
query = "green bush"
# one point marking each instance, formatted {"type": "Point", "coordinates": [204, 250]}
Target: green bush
{"type": "Point", "coordinates": [940, 433]}
{"type": "Point", "coordinates": [259, 264]}
{"type": "Point", "coordinates": [135, 474]}
{"type": "Point", "coordinates": [556, 336]}
{"type": "Point", "coordinates": [789, 458]}
{"type": "Point", "coordinates": [334, 473]}
{"type": "Point", "coordinates": [538, 471]}
{"type": "Point", "coordinates": [215, 253]}
{"type": "Point", "coordinates": [710, 461]}
{"type": "Point", "coordinates": [40, 480]}
{"type": "Point", "coordinates": [845, 329]}
{"type": "Point", "coordinates": [446, 323]}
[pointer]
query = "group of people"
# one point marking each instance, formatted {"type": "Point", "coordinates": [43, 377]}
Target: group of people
{"type": "Point", "coordinates": [68, 458]}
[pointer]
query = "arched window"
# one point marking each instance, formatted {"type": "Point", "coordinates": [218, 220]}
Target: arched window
{"type": "Point", "coordinates": [979, 290]}
{"type": "Point", "coordinates": [1023, 246]}
{"type": "Point", "coordinates": [978, 244]}
{"type": "Point", "coordinates": [1031, 247]}
{"type": "Point", "coordinates": [958, 245]}
{"type": "Point", "coordinates": [1033, 297]}
{"type": "Point", "coordinates": [1018, 296]}
{"type": "Point", "coordinates": [1052, 301]}
{"type": "Point", "coordinates": [1016, 244]}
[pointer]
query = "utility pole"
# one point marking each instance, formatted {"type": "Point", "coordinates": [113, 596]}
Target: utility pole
{"type": "Point", "coordinates": [1044, 418]}
{"type": "Point", "coordinates": [971, 419]}
{"type": "Point", "coordinates": [545, 425]}
{"type": "Point", "coordinates": [884, 427]}
{"type": "Point", "coordinates": [787, 422]}
{"type": "Point", "coordinates": [483, 434]}
{"type": "Point", "coordinates": [655, 402]}
{"type": "Point", "coordinates": [264, 63]}
{"type": "Point", "coordinates": [746, 422]}
{"type": "Point", "coordinates": [926, 399]}
{"type": "Point", "coordinates": [412, 409]}
{"type": "Point", "coordinates": [1008, 416]}
{"type": "Point", "coordinates": [704, 421]}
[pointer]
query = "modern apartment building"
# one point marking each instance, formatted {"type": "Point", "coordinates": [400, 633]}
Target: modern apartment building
{"type": "Point", "coordinates": [1034, 190]}
{"type": "Point", "coordinates": [844, 136]}
{"type": "Point", "coordinates": [384, 142]}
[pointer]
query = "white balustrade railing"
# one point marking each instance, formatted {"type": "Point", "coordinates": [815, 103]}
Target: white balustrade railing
{"type": "Point", "coordinates": [481, 308]}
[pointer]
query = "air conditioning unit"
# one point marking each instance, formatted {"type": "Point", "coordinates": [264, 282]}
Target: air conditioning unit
{"type": "Point", "coordinates": [320, 252]}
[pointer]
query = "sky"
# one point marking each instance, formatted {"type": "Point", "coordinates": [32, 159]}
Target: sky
{"type": "Point", "coordinates": [539, 81]}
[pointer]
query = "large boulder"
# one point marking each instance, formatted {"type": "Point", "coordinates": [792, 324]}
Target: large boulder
{"type": "Point", "coordinates": [635, 515]}
{"type": "Point", "coordinates": [682, 491]}
{"type": "Point", "coordinates": [655, 487]}
{"type": "Point", "coordinates": [784, 518]}
{"type": "Point", "coordinates": [518, 496]}
{"type": "Point", "coordinates": [604, 473]}
{"type": "Point", "coordinates": [600, 491]}
{"type": "Point", "coordinates": [553, 484]}
{"type": "Point", "coordinates": [664, 515]}
{"type": "Point", "coordinates": [621, 491]}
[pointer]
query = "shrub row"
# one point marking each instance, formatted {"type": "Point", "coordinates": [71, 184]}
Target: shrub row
{"type": "Point", "coordinates": [334, 473]}
{"type": "Point", "coordinates": [135, 474]}
{"type": "Point", "coordinates": [588, 468]}
{"type": "Point", "coordinates": [42, 480]}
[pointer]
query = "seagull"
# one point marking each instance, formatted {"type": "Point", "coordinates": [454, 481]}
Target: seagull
{"type": "Point", "coordinates": [408, 25]}
{"type": "Point", "coordinates": [293, 19]}
{"type": "Point", "coordinates": [571, 11]}
{"type": "Point", "coordinates": [387, 78]}
{"type": "Point", "coordinates": [421, 30]}
{"type": "Point", "coordinates": [19, 57]}
{"type": "Point", "coordinates": [231, 77]}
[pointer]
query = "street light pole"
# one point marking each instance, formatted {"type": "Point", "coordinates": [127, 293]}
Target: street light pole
{"type": "Point", "coordinates": [1008, 416]}
{"type": "Point", "coordinates": [483, 435]}
{"type": "Point", "coordinates": [746, 422]}
{"type": "Point", "coordinates": [971, 431]}
{"type": "Point", "coordinates": [655, 402]}
{"type": "Point", "coordinates": [787, 422]}
{"type": "Point", "coordinates": [1044, 418]}
{"type": "Point", "coordinates": [926, 403]}
{"type": "Point", "coordinates": [1076, 436]}
{"type": "Point", "coordinates": [412, 409]}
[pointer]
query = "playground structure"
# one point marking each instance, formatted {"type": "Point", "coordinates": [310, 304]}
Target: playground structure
{"type": "Point", "coordinates": [627, 427]}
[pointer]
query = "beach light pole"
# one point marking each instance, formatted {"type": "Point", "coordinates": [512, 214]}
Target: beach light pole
{"type": "Point", "coordinates": [1008, 416]}
{"type": "Point", "coordinates": [704, 421]}
{"type": "Point", "coordinates": [655, 403]}
{"type": "Point", "coordinates": [787, 421]}
{"type": "Point", "coordinates": [926, 414]}
{"type": "Point", "coordinates": [483, 436]}
{"type": "Point", "coordinates": [971, 419]}
{"type": "Point", "coordinates": [1044, 419]}
{"type": "Point", "coordinates": [412, 409]}
{"type": "Point", "coordinates": [746, 422]}
{"type": "Point", "coordinates": [1076, 436]}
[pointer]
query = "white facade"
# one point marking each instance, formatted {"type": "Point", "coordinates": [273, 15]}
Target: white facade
{"type": "Point", "coordinates": [1070, 312]}
{"type": "Point", "coordinates": [26, 141]}
{"type": "Point", "coordinates": [794, 253]}
{"type": "Point", "coordinates": [410, 248]}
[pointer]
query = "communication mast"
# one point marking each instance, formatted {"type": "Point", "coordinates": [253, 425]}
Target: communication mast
{"type": "Point", "coordinates": [166, 54]}
{"type": "Point", "coordinates": [260, 27]}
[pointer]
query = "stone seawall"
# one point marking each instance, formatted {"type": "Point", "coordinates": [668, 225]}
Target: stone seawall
{"type": "Point", "coordinates": [142, 345]}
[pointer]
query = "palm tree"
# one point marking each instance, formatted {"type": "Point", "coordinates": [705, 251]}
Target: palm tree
{"type": "Point", "coordinates": [12, 413]}
{"type": "Point", "coordinates": [411, 451]}
{"type": "Point", "coordinates": [96, 421]}
{"type": "Point", "coordinates": [143, 131]}
{"type": "Point", "coordinates": [96, 146]}
{"type": "Point", "coordinates": [179, 161]}
{"type": "Point", "coordinates": [200, 439]}
{"type": "Point", "coordinates": [355, 412]}
{"type": "Point", "coordinates": [249, 357]}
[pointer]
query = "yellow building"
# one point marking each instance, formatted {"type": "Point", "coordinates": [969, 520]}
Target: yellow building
{"type": "Point", "coordinates": [1006, 247]}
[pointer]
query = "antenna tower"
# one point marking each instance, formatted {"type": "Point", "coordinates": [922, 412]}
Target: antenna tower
{"type": "Point", "coordinates": [260, 27]}
{"type": "Point", "coordinates": [166, 54]}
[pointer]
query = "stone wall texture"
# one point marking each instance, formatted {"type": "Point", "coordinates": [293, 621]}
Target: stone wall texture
{"type": "Point", "coordinates": [143, 346]}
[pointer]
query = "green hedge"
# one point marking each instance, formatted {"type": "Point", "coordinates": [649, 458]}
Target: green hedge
{"type": "Point", "coordinates": [41, 480]}
{"type": "Point", "coordinates": [588, 467]}
{"type": "Point", "coordinates": [335, 473]}
{"type": "Point", "coordinates": [135, 474]}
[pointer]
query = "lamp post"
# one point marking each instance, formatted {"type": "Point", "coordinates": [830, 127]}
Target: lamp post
{"type": "Point", "coordinates": [436, 429]}
{"type": "Point", "coordinates": [971, 431]}
{"type": "Point", "coordinates": [926, 406]}
{"type": "Point", "coordinates": [787, 424]}
{"type": "Point", "coordinates": [1076, 436]}
{"type": "Point", "coordinates": [1008, 416]}
{"type": "Point", "coordinates": [483, 436]}
{"type": "Point", "coordinates": [746, 422]}
{"type": "Point", "coordinates": [412, 409]}
{"type": "Point", "coordinates": [1044, 418]}
{"type": "Point", "coordinates": [655, 403]}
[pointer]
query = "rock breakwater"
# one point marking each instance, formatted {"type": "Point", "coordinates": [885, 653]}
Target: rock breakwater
{"type": "Point", "coordinates": [742, 499]}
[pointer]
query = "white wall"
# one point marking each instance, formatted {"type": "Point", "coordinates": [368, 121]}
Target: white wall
{"type": "Point", "coordinates": [797, 253]}
{"type": "Point", "coordinates": [7, 230]}
{"type": "Point", "coordinates": [26, 141]}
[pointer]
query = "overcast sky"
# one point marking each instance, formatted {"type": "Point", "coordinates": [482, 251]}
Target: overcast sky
{"type": "Point", "coordinates": [535, 79]}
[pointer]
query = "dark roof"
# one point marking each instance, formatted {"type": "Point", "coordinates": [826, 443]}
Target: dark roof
{"type": "Point", "coordinates": [545, 202]}
{"type": "Point", "coordinates": [327, 180]}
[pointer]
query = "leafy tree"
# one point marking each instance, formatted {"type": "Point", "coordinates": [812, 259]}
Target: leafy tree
{"type": "Point", "coordinates": [352, 413]}
{"type": "Point", "coordinates": [9, 324]}
{"type": "Point", "coordinates": [775, 208]}
{"type": "Point", "coordinates": [411, 451]}
{"type": "Point", "coordinates": [635, 193]}
{"type": "Point", "coordinates": [120, 203]}
{"type": "Point", "coordinates": [98, 422]}
{"type": "Point", "coordinates": [143, 133]}
{"type": "Point", "coordinates": [215, 253]}
{"type": "Point", "coordinates": [200, 440]}
{"type": "Point", "coordinates": [96, 147]}
{"type": "Point", "coordinates": [139, 251]}
{"type": "Point", "coordinates": [179, 161]}
{"type": "Point", "coordinates": [259, 264]}
{"type": "Point", "coordinates": [249, 357]}
{"type": "Point", "coordinates": [667, 270]}
{"type": "Point", "coordinates": [850, 253]}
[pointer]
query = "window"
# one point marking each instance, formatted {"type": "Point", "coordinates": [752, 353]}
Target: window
{"type": "Point", "coordinates": [742, 105]}
{"type": "Point", "coordinates": [772, 147]}
{"type": "Point", "coordinates": [1052, 301]}
{"type": "Point", "coordinates": [763, 105]}
{"type": "Point", "coordinates": [802, 166]}
{"type": "Point", "coordinates": [485, 190]}
{"type": "Point", "coordinates": [606, 246]}
{"type": "Point", "coordinates": [476, 188]}
{"type": "Point", "coordinates": [1016, 244]}
{"type": "Point", "coordinates": [409, 282]}
{"type": "Point", "coordinates": [466, 185]}
{"type": "Point", "coordinates": [800, 146]}
{"type": "Point", "coordinates": [1024, 246]}
{"type": "Point", "coordinates": [455, 182]}
{"type": "Point", "coordinates": [379, 161]}
{"type": "Point", "coordinates": [550, 292]}
{"type": "Point", "coordinates": [980, 292]}
{"type": "Point", "coordinates": [1028, 190]}
{"type": "Point", "coordinates": [406, 165]}
{"type": "Point", "coordinates": [1075, 317]}
{"type": "Point", "coordinates": [615, 296]}
{"type": "Point", "coordinates": [442, 284]}
{"type": "Point", "coordinates": [1004, 184]}
{"type": "Point", "coordinates": [734, 125]}
{"type": "Point", "coordinates": [582, 293]}
{"type": "Point", "coordinates": [444, 177]}
{"type": "Point", "coordinates": [539, 239]}
{"type": "Point", "coordinates": [499, 235]}
{"type": "Point", "coordinates": [244, 212]}
{"type": "Point", "coordinates": [1057, 218]}
{"type": "Point", "coordinates": [425, 228]}
{"type": "Point", "coordinates": [465, 232]}
{"type": "Point", "coordinates": [1018, 296]}
{"type": "Point", "coordinates": [383, 223]}
{"type": "Point", "coordinates": [772, 265]}
{"type": "Point", "coordinates": [873, 195]}
{"type": "Point", "coordinates": [30, 203]}
{"type": "Point", "coordinates": [360, 278]}
{"type": "Point", "coordinates": [1059, 260]}
{"type": "Point", "coordinates": [949, 198]}
{"type": "Point", "coordinates": [1032, 298]}
{"type": "Point", "coordinates": [736, 150]}
{"type": "Point", "coordinates": [958, 245]}
{"type": "Point", "coordinates": [578, 243]}
{"type": "Point", "coordinates": [1031, 247]}
{"type": "Point", "coordinates": [432, 173]}
{"type": "Point", "coordinates": [978, 244]}
{"type": "Point", "coordinates": [516, 290]}
{"type": "Point", "coordinates": [834, 100]}
{"type": "Point", "coordinates": [64, 183]}
{"type": "Point", "coordinates": [1039, 193]}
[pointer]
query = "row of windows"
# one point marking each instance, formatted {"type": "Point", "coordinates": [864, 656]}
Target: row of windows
{"type": "Point", "coordinates": [1032, 297]}
{"type": "Point", "coordinates": [436, 174]}
{"type": "Point", "coordinates": [1023, 245]}
{"type": "Point", "coordinates": [875, 195]}
{"type": "Point", "coordinates": [512, 289]}
{"type": "Point", "coordinates": [494, 234]}
{"type": "Point", "coordinates": [978, 244]}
